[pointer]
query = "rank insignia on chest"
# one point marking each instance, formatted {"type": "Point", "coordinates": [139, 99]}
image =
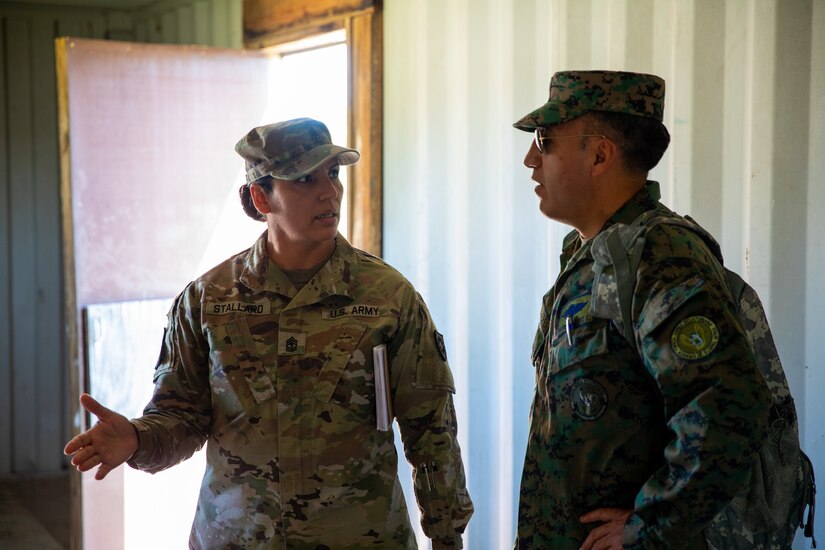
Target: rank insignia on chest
{"type": "Point", "coordinates": [292, 343]}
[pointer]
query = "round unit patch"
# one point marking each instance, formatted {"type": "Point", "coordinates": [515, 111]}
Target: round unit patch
{"type": "Point", "coordinates": [588, 399]}
{"type": "Point", "coordinates": [694, 337]}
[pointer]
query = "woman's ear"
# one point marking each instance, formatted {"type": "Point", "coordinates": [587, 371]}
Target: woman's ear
{"type": "Point", "coordinates": [259, 198]}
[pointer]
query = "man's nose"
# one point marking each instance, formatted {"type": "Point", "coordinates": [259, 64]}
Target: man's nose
{"type": "Point", "coordinates": [533, 157]}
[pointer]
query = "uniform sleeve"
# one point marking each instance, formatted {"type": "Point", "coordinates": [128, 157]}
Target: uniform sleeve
{"type": "Point", "coordinates": [176, 421]}
{"type": "Point", "coordinates": [714, 398]}
{"type": "Point", "coordinates": [423, 402]}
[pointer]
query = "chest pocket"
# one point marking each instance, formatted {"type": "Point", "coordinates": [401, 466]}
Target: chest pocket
{"type": "Point", "coordinates": [344, 389]}
{"type": "Point", "coordinates": [577, 344]}
{"type": "Point", "coordinates": [246, 373]}
{"type": "Point", "coordinates": [340, 354]}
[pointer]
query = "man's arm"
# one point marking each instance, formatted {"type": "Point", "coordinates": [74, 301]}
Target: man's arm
{"type": "Point", "coordinates": [716, 401]}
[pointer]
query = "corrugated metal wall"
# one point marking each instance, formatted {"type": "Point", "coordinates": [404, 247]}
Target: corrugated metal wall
{"type": "Point", "coordinates": [745, 107]}
{"type": "Point", "coordinates": [33, 381]}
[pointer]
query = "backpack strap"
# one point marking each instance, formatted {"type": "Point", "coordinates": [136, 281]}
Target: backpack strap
{"type": "Point", "coordinates": [621, 246]}
{"type": "Point", "coordinates": [736, 284]}
{"type": "Point", "coordinates": [625, 281]}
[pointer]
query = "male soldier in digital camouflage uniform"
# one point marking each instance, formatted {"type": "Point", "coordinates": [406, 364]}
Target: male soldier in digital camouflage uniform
{"type": "Point", "coordinates": [629, 450]}
{"type": "Point", "coordinates": [268, 359]}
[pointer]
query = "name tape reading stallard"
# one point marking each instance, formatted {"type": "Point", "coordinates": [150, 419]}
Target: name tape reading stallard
{"type": "Point", "coordinates": [259, 307]}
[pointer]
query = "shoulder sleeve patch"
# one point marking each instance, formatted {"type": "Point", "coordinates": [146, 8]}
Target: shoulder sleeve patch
{"type": "Point", "coordinates": [439, 344]}
{"type": "Point", "coordinates": [694, 337]}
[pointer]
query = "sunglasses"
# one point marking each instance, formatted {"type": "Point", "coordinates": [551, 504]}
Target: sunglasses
{"type": "Point", "coordinates": [541, 138]}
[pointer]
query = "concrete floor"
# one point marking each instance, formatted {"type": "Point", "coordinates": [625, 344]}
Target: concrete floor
{"type": "Point", "coordinates": [34, 513]}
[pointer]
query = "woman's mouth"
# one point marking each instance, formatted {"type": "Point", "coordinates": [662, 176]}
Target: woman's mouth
{"type": "Point", "coordinates": [327, 216]}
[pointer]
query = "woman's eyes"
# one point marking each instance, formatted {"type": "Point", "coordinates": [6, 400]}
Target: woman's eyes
{"type": "Point", "coordinates": [332, 174]}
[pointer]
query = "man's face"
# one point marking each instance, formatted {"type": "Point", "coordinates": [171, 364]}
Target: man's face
{"type": "Point", "coordinates": [306, 210]}
{"type": "Point", "coordinates": [563, 172]}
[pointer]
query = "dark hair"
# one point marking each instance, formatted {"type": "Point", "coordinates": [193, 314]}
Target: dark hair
{"type": "Point", "coordinates": [642, 140]}
{"type": "Point", "coordinates": [246, 197]}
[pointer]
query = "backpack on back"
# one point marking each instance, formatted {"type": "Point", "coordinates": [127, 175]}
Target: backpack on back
{"type": "Point", "coordinates": [766, 513]}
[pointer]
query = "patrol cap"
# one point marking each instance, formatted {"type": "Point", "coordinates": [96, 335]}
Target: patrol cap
{"type": "Point", "coordinates": [290, 150]}
{"type": "Point", "coordinates": [574, 93]}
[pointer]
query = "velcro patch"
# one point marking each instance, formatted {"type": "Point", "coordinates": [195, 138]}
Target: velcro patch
{"type": "Point", "coordinates": [292, 343]}
{"type": "Point", "coordinates": [439, 343]}
{"type": "Point", "coordinates": [577, 310]}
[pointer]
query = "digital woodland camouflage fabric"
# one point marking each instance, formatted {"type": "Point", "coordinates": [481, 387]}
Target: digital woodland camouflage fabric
{"type": "Point", "coordinates": [766, 512]}
{"type": "Point", "coordinates": [671, 437]}
{"type": "Point", "coordinates": [575, 93]}
{"type": "Point", "coordinates": [279, 384]}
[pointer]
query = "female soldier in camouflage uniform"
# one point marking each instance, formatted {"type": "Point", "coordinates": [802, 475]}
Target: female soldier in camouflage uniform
{"type": "Point", "coordinates": [268, 359]}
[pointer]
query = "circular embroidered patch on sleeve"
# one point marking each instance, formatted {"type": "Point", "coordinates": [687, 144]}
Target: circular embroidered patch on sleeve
{"type": "Point", "coordinates": [694, 337]}
{"type": "Point", "coordinates": [588, 399]}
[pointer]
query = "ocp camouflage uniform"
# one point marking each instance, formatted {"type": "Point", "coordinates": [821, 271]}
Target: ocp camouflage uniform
{"type": "Point", "coordinates": [279, 384]}
{"type": "Point", "coordinates": [672, 436]}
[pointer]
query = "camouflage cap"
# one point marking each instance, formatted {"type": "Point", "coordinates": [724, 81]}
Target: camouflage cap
{"type": "Point", "coordinates": [290, 150]}
{"type": "Point", "coordinates": [574, 93]}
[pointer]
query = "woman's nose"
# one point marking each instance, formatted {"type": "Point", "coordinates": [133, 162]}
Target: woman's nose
{"type": "Point", "coordinates": [332, 187]}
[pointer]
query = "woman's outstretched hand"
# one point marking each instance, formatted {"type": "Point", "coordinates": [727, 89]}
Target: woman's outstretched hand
{"type": "Point", "coordinates": [107, 444]}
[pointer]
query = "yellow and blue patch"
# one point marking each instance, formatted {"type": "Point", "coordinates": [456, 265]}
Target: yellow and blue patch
{"type": "Point", "coordinates": [576, 311]}
{"type": "Point", "coordinates": [694, 337]}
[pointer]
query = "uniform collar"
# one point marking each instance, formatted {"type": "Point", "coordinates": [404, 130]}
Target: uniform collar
{"type": "Point", "coordinates": [646, 199]}
{"type": "Point", "coordinates": [335, 278]}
